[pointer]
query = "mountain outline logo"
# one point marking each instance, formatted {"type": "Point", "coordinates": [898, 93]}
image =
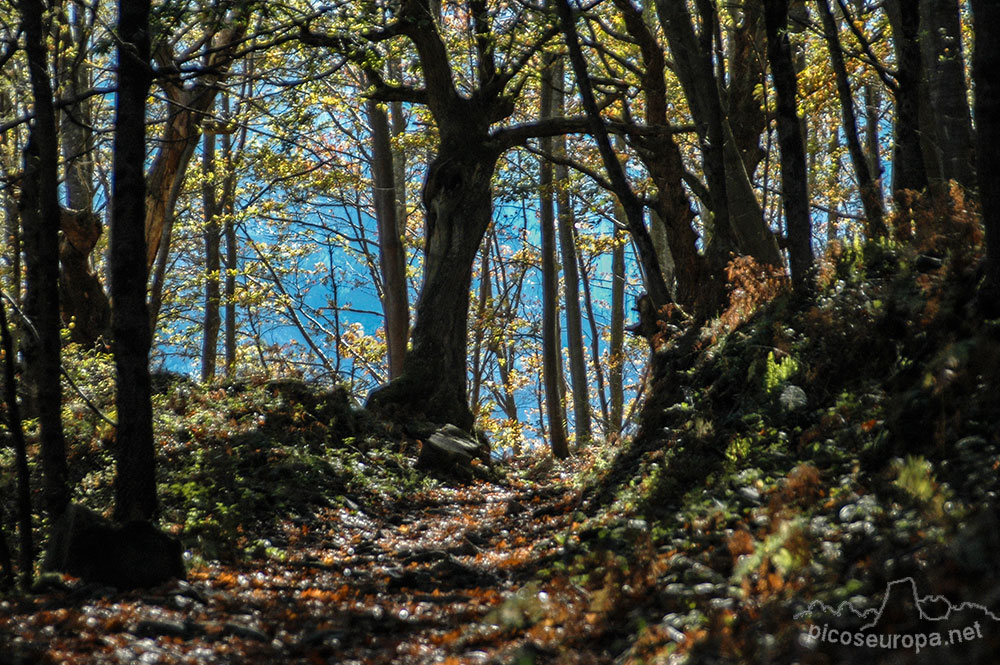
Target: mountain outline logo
{"type": "Point", "coordinates": [892, 590]}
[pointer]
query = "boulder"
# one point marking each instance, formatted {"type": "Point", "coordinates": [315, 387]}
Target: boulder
{"type": "Point", "coordinates": [452, 450]}
{"type": "Point", "coordinates": [127, 556]}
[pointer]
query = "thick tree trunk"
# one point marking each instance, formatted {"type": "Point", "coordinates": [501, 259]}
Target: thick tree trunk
{"type": "Point", "coordinates": [552, 374]}
{"type": "Point", "coordinates": [871, 195]}
{"type": "Point", "coordinates": [794, 177]}
{"type": "Point", "coordinates": [458, 202]}
{"type": "Point", "coordinates": [737, 220]}
{"type": "Point", "coordinates": [392, 259]}
{"type": "Point", "coordinates": [986, 74]}
{"type": "Point", "coordinates": [908, 170]}
{"type": "Point", "coordinates": [40, 216]}
{"type": "Point", "coordinates": [210, 209]}
{"type": "Point", "coordinates": [950, 124]}
{"type": "Point", "coordinates": [745, 56]}
{"type": "Point", "coordinates": [135, 481]}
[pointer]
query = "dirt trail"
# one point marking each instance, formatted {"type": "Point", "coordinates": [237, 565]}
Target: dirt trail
{"type": "Point", "coordinates": [401, 583]}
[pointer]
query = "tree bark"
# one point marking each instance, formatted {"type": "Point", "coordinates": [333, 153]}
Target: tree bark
{"type": "Point", "coordinates": [26, 549]}
{"type": "Point", "coordinates": [83, 300]}
{"type": "Point", "coordinates": [944, 72]}
{"type": "Point", "coordinates": [633, 207]}
{"type": "Point", "coordinates": [188, 108]}
{"type": "Point", "coordinates": [40, 216]}
{"type": "Point", "coordinates": [872, 145]}
{"type": "Point", "coordinates": [595, 342]}
{"type": "Point", "coordinates": [229, 231]}
{"type": "Point", "coordinates": [135, 481]}
{"type": "Point", "coordinates": [392, 259]}
{"type": "Point", "coordinates": [551, 343]}
{"type": "Point", "coordinates": [908, 169]}
{"type": "Point", "coordinates": [616, 345]}
{"type": "Point", "coordinates": [479, 329]}
{"type": "Point", "coordinates": [662, 158]}
{"type": "Point", "coordinates": [871, 194]}
{"type": "Point", "coordinates": [986, 74]}
{"type": "Point", "coordinates": [212, 237]}
{"type": "Point", "coordinates": [571, 273]}
{"type": "Point", "coordinates": [794, 176]}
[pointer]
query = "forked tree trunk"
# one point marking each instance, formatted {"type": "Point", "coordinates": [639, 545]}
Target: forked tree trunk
{"type": "Point", "coordinates": [458, 200]}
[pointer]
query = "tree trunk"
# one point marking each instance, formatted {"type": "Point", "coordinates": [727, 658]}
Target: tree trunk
{"type": "Point", "coordinates": [479, 328]}
{"type": "Point", "coordinates": [210, 209]}
{"type": "Point", "coordinates": [229, 231]}
{"type": "Point", "coordinates": [595, 342]}
{"type": "Point", "coordinates": [745, 49]}
{"type": "Point", "coordinates": [908, 170]}
{"type": "Point", "coordinates": [392, 259]}
{"type": "Point", "coordinates": [872, 145]}
{"type": "Point", "coordinates": [571, 274]}
{"type": "Point", "coordinates": [398, 124]}
{"type": "Point", "coordinates": [40, 216]}
{"type": "Point", "coordinates": [83, 300]}
{"type": "Point", "coordinates": [457, 198]}
{"type": "Point", "coordinates": [944, 72]}
{"type": "Point", "coordinates": [188, 108]}
{"type": "Point", "coordinates": [135, 481]}
{"type": "Point", "coordinates": [551, 342]}
{"type": "Point", "coordinates": [616, 345]}
{"type": "Point", "coordinates": [986, 74]}
{"type": "Point", "coordinates": [871, 195]}
{"type": "Point", "coordinates": [662, 157]}
{"type": "Point", "coordinates": [26, 549]}
{"type": "Point", "coordinates": [693, 68]}
{"type": "Point", "coordinates": [633, 207]}
{"type": "Point", "coordinates": [794, 177]}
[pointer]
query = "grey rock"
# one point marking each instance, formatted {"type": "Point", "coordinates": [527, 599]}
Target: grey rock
{"type": "Point", "coordinates": [793, 398]}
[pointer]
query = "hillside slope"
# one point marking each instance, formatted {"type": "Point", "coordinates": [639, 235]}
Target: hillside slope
{"type": "Point", "coordinates": [813, 449]}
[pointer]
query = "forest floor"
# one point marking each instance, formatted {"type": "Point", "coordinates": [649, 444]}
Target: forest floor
{"type": "Point", "coordinates": [443, 574]}
{"type": "Point", "coordinates": [798, 458]}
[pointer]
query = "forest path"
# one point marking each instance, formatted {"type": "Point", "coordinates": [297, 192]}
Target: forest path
{"type": "Point", "coordinates": [440, 577]}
